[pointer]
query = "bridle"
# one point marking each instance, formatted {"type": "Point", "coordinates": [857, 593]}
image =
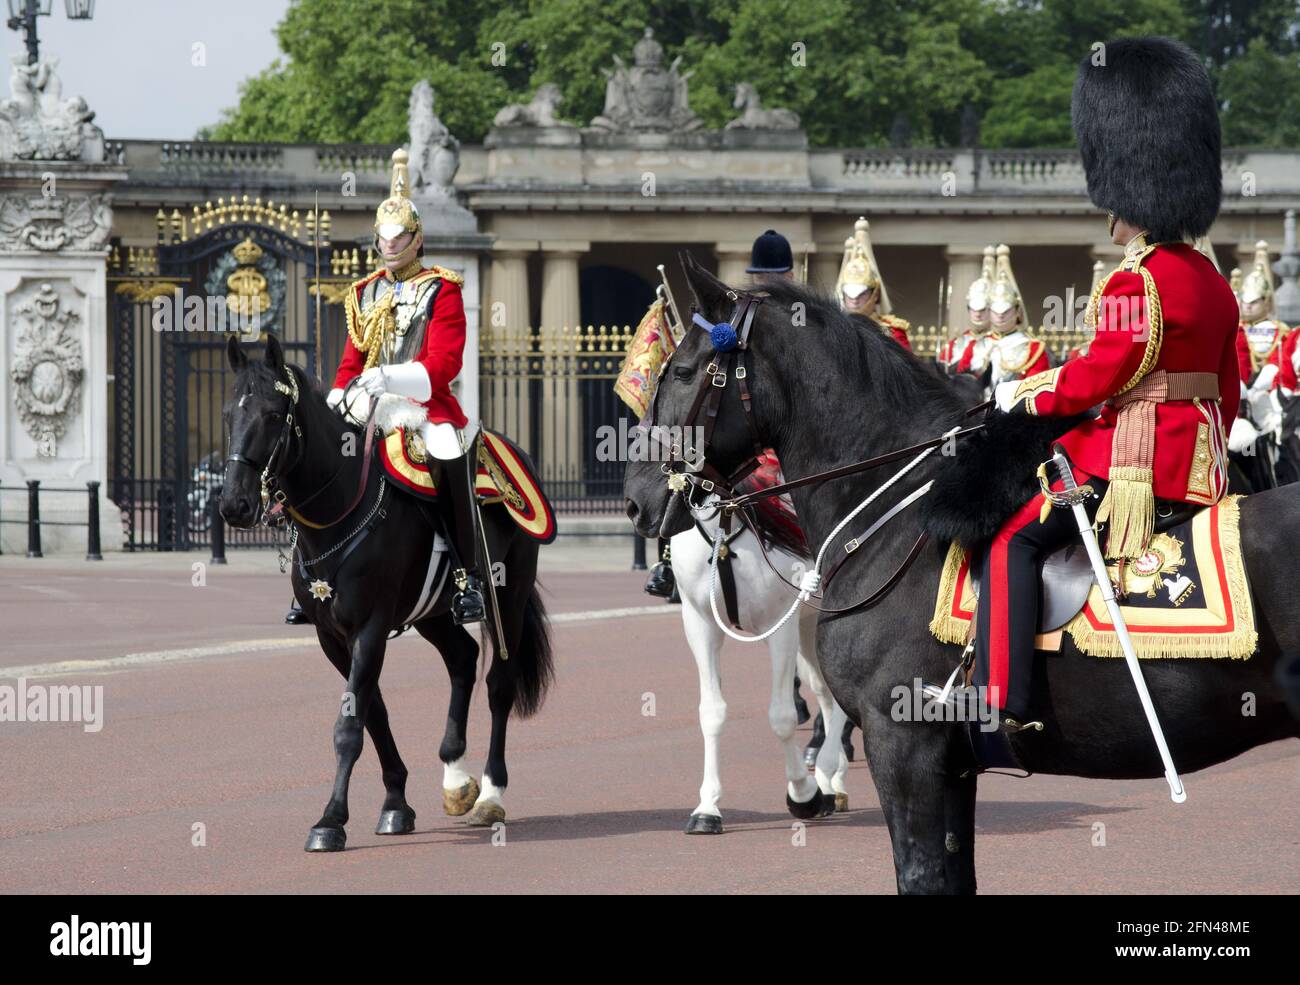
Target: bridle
{"type": "Point", "coordinates": [276, 509]}
{"type": "Point", "coordinates": [731, 339]}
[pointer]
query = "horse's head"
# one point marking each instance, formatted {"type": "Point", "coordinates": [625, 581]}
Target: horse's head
{"type": "Point", "coordinates": [698, 423]}
{"type": "Point", "coordinates": [260, 421]}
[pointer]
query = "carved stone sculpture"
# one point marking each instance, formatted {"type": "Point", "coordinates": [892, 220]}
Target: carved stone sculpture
{"type": "Point", "coordinates": [646, 96]}
{"type": "Point", "coordinates": [38, 124]}
{"type": "Point", "coordinates": [539, 111]}
{"type": "Point", "coordinates": [754, 117]}
{"type": "Point", "coordinates": [47, 368]}
{"type": "Point", "coordinates": [50, 223]}
{"type": "Point", "coordinates": [435, 153]}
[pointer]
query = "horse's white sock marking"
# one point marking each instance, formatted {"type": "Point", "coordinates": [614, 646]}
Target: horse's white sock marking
{"type": "Point", "coordinates": [454, 775]}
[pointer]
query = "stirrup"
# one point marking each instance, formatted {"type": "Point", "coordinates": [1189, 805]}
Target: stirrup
{"type": "Point", "coordinates": [1013, 725]}
{"type": "Point", "coordinates": [467, 604]}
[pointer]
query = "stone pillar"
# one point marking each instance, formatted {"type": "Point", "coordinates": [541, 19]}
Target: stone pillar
{"type": "Point", "coordinates": [963, 270]}
{"type": "Point", "coordinates": [733, 258]}
{"type": "Point", "coordinates": [54, 413]}
{"type": "Point", "coordinates": [824, 266]}
{"type": "Point", "coordinates": [508, 333]}
{"type": "Point", "coordinates": [562, 335]}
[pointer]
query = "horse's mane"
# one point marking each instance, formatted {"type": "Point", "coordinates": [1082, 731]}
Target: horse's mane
{"type": "Point", "coordinates": [897, 378]}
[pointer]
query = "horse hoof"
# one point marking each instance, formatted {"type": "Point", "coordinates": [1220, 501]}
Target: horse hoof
{"type": "Point", "coordinates": [325, 840]}
{"type": "Point", "coordinates": [459, 801]}
{"type": "Point", "coordinates": [841, 803]}
{"type": "Point", "coordinates": [486, 814]}
{"type": "Point", "coordinates": [704, 824]}
{"type": "Point", "coordinates": [821, 805]}
{"type": "Point", "coordinates": [396, 822]}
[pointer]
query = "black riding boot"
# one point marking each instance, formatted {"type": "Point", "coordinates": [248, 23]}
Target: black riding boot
{"type": "Point", "coordinates": [295, 616]}
{"type": "Point", "coordinates": [662, 583]}
{"type": "Point", "coordinates": [460, 517]}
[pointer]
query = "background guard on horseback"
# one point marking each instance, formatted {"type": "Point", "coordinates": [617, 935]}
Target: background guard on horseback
{"type": "Point", "coordinates": [1163, 363]}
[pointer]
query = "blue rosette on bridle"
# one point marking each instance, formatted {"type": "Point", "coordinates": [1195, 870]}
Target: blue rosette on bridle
{"type": "Point", "coordinates": [722, 334]}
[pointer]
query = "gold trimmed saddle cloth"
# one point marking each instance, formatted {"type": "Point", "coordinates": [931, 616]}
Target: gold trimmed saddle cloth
{"type": "Point", "coordinates": [1187, 596]}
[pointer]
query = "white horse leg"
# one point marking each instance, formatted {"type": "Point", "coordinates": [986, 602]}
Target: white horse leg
{"type": "Point", "coordinates": [832, 765]}
{"type": "Point", "coordinates": [705, 640]}
{"type": "Point", "coordinates": [783, 647]}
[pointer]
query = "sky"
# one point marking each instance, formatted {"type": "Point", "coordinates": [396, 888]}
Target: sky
{"type": "Point", "coordinates": [133, 62]}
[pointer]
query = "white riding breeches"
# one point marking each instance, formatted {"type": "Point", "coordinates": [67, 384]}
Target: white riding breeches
{"type": "Point", "coordinates": [443, 441]}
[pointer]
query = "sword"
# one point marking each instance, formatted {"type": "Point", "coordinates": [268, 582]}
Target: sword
{"type": "Point", "coordinates": [1074, 497]}
{"type": "Point", "coordinates": [477, 520]}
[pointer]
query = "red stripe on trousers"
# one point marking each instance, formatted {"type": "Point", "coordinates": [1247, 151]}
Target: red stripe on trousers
{"type": "Point", "coordinates": [1000, 600]}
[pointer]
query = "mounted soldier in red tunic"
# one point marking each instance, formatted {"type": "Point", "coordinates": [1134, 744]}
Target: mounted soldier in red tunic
{"type": "Point", "coordinates": [861, 289]}
{"type": "Point", "coordinates": [1163, 364]}
{"type": "Point", "coordinates": [406, 336]}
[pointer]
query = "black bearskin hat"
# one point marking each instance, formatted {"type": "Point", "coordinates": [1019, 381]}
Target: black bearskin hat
{"type": "Point", "coordinates": [1148, 131]}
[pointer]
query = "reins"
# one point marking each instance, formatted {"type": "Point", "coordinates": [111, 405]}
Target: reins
{"type": "Point", "coordinates": [731, 340]}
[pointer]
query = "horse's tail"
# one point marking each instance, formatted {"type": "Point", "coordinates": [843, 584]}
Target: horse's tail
{"type": "Point", "coordinates": [532, 661]}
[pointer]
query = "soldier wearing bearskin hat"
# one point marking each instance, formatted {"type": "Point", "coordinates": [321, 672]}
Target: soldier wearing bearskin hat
{"type": "Point", "coordinates": [1163, 364]}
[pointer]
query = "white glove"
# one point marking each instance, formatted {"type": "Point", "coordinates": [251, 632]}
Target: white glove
{"type": "Point", "coordinates": [1004, 395]}
{"type": "Point", "coordinates": [334, 398]}
{"type": "Point", "coordinates": [373, 381]}
{"type": "Point", "coordinates": [1264, 381]}
{"type": "Point", "coordinates": [409, 380]}
{"type": "Point", "coordinates": [1243, 435]}
{"type": "Point", "coordinates": [1265, 412]}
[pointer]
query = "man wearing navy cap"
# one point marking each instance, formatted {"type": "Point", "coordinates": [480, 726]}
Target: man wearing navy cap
{"type": "Point", "coordinates": [771, 257]}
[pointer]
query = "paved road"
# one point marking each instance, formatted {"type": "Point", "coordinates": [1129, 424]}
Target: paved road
{"type": "Point", "coordinates": [240, 743]}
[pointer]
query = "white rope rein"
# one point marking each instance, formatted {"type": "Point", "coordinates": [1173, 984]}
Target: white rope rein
{"type": "Point", "coordinates": [811, 580]}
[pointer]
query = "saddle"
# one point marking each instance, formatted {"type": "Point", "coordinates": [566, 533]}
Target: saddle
{"type": "Point", "coordinates": [1186, 596]}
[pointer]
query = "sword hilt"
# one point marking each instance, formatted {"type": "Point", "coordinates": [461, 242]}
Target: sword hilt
{"type": "Point", "coordinates": [1072, 494]}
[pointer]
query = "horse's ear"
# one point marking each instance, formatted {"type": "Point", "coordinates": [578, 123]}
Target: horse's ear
{"type": "Point", "coordinates": [274, 354]}
{"type": "Point", "coordinates": [710, 293]}
{"type": "Point", "coordinates": [235, 354]}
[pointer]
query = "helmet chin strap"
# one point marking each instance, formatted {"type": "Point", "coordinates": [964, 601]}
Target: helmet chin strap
{"type": "Point", "coordinates": [403, 259]}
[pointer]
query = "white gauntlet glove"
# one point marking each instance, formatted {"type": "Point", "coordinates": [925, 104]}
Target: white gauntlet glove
{"type": "Point", "coordinates": [373, 381]}
{"type": "Point", "coordinates": [334, 398]}
{"type": "Point", "coordinates": [1243, 435]}
{"type": "Point", "coordinates": [408, 380]}
{"type": "Point", "coordinates": [1004, 395]}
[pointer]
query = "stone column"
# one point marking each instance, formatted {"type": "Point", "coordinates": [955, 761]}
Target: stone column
{"type": "Point", "coordinates": [54, 361]}
{"type": "Point", "coordinates": [562, 340]}
{"type": "Point", "coordinates": [733, 258]}
{"type": "Point", "coordinates": [963, 270]}
{"type": "Point", "coordinates": [508, 340]}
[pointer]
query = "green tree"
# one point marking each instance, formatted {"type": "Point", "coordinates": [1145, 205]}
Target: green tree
{"type": "Point", "coordinates": [1261, 95]}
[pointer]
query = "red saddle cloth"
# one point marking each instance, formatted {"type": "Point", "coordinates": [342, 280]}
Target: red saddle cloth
{"type": "Point", "coordinates": [774, 515]}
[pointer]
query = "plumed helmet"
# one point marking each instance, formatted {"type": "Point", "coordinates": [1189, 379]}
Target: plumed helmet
{"type": "Point", "coordinates": [1148, 130]}
{"type": "Point", "coordinates": [397, 213]}
{"type": "Point", "coordinates": [858, 271]}
{"type": "Point", "coordinates": [1005, 293]}
{"type": "Point", "coordinates": [977, 296]}
{"type": "Point", "coordinates": [1257, 285]}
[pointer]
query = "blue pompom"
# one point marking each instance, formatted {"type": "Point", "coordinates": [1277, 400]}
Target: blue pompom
{"type": "Point", "coordinates": [723, 336]}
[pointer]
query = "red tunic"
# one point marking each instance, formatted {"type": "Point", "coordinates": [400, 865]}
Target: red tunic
{"type": "Point", "coordinates": [896, 328]}
{"type": "Point", "coordinates": [1196, 331]}
{"type": "Point", "coordinates": [441, 353]}
{"type": "Point", "coordinates": [1282, 356]}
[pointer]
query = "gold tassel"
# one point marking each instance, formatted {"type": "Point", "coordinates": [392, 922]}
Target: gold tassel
{"type": "Point", "coordinates": [368, 329]}
{"type": "Point", "coordinates": [1130, 506]}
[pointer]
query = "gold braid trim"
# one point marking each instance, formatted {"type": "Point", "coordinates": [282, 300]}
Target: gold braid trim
{"type": "Point", "coordinates": [367, 330]}
{"type": "Point", "coordinates": [1130, 505]}
{"type": "Point", "coordinates": [1155, 331]}
{"type": "Point", "coordinates": [945, 627]}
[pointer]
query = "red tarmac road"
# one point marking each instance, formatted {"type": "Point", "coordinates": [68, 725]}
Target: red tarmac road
{"type": "Point", "coordinates": [240, 743]}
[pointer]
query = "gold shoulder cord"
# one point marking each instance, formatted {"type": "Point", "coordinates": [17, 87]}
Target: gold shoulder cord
{"type": "Point", "coordinates": [1155, 322]}
{"type": "Point", "coordinates": [368, 329]}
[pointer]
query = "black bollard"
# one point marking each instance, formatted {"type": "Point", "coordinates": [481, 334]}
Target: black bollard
{"type": "Point", "coordinates": [92, 523]}
{"type": "Point", "coordinates": [638, 552]}
{"type": "Point", "coordinates": [217, 527]}
{"type": "Point", "coordinates": [34, 518]}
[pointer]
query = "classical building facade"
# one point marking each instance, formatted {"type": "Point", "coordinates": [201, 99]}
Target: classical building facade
{"type": "Point", "coordinates": [556, 225]}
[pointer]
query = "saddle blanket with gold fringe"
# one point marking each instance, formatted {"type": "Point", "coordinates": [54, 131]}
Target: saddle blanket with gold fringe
{"type": "Point", "coordinates": [1179, 602]}
{"type": "Point", "coordinates": [504, 476]}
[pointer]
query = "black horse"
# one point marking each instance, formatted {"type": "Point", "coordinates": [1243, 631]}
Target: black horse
{"type": "Point", "coordinates": [372, 555]}
{"type": "Point", "coordinates": [825, 393]}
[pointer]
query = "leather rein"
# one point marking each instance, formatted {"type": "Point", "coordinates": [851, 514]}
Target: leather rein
{"type": "Point", "coordinates": [682, 475]}
{"type": "Point", "coordinates": [275, 504]}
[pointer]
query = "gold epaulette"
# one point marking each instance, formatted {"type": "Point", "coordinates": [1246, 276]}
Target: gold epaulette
{"type": "Point", "coordinates": [893, 321]}
{"type": "Point", "coordinates": [450, 276]}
